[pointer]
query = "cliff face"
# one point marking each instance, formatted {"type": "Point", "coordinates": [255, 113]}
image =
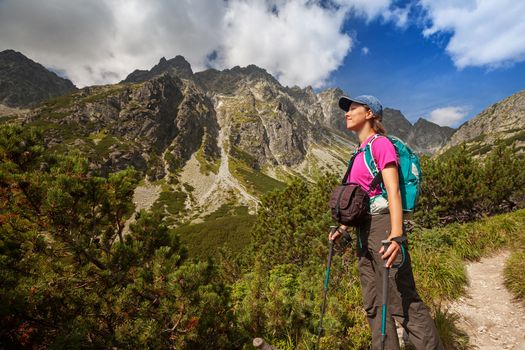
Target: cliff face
{"type": "Point", "coordinates": [24, 82]}
{"type": "Point", "coordinates": [503, 120]}
{"type": "Point", "coordinates": [131, 124]}
{"type": "Point", "coordinates": [427, 137]}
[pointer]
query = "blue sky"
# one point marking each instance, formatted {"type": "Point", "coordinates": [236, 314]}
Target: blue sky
{"type": "Point", "coordinates": [442, 60]}
{"type": "Point", "coordinates": [414, 74]}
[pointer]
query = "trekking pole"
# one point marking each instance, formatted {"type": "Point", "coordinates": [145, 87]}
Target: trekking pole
{"type": "Point", "coordinates": [386, 244]}
{"type": "Point", "coordinates": [325, 289]}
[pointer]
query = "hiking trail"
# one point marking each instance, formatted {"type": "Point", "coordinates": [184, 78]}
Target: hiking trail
{"type": "Point", "coordinates": [488, 313]}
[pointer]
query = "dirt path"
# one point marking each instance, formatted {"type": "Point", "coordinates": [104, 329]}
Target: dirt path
{"type": "Point", "coordinates": [489, 315]}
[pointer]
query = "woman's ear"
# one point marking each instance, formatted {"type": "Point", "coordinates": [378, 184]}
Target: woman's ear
{"type": "Point", "coordinates": [369, 114]}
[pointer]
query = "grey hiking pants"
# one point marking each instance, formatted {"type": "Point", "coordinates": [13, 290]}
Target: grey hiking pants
{"type": "Point", "coordinates": [404, 303]}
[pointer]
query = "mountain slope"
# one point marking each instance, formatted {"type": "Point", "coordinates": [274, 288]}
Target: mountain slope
{"type": "Point", "coordinates": [24, 82]}
{"type": "Point", "coordinates": [503, 120]}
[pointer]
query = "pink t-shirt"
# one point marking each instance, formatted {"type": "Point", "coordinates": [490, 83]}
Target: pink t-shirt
{"type": "Point", "coordinates": [383, 152]}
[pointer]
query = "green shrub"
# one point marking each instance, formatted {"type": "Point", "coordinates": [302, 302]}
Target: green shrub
{"type": "Point", "coordinates": [458, 188]}
{"type": "Point", "coordinates": [229, 227]}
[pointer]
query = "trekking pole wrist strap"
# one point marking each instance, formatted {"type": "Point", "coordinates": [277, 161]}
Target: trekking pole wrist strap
{"type": "Point", "coordinates": [343, 231]}
{"type": "Point", "coordinates": [401, 240]}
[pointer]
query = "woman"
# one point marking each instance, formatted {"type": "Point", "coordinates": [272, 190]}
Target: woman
{"type": "Point", "coordinates": [363, 116]}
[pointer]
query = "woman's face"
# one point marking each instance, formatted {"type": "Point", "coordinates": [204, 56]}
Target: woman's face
{"type": "Point", "coordinates": [357, 116]}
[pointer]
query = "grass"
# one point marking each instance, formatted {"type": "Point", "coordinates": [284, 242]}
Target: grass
{"type": "Point", "coordinates": [438, 254]}
{"type": "Point", "coordinates": [513, 274]}
{"type": "Point", "coordinates": [103, 146]}
{"type": "Point", "coordinates": [240, 109]}
{"type": "Point", "coordinates": [171, 203]}
{"type": "Point", "coordinates": [7, 118]}
{"type": "Point", "coordinates": [206, 166]}
{"type": "Point", "coordinates": [255, 181]}
{"type": "Point", "coordinates": [452, 337]}
{"type": "Point", "coordinates": [227, 227]}
{"type": "Point", "coordinates": [241, 166]}
{"type": "Point", "coordinates": [104, 92]}
{"type": "Point", "coordinates": [97, 136]}
{"type": "Point", "coordinates": [476, 146]}
{"type": "Point", "coordinates": [59, 102]}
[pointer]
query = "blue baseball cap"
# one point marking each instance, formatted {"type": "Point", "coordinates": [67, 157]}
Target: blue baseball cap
{"type": "Point", "coordinates": [371, 101]}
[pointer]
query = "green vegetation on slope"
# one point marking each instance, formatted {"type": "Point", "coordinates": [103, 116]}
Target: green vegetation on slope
{"type": "Point", "coordinates": [479, 146]}
{"type": "Point", "coordinates": [242, 167]}
{"type": "Point", "coordinates": [514, 268]}
{"type": "Point", "coordinates": [171, 204]}
{"type": "Point", "coordinates": [228, 227]}
{"type": "Point", "coordinates": [207, 164]}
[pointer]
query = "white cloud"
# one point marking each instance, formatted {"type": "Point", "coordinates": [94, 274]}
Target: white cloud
{"type": "Point", "coordinates": [299, 42]}
{"type": "Point", "coordinates": [370, 9]}
{"type": "Point", "coordinates": [484, 32]}
{"type": "Point", "coordinates": [448, 116]}
{"type": "Point", "coordinates": [94, 42]}
{"type": "Point", "coordinates": [365, 50]}
{"type": "Point", "coordinates": [397, 15]}
{"type": "Point", "coordinates": [97, 42]}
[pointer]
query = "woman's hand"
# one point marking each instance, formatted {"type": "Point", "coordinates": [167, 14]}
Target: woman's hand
{"type": "Point", "coordinates": [332, 236]}
{"type": "Point", "coordinates": [391, 253]}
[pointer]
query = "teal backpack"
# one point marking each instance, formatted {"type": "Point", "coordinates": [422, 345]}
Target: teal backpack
{"type": "Point", "coordinates": [409, 175]}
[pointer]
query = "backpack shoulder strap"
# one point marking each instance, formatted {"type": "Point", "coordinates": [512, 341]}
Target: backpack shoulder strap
{"type": "Point", "coordinates": [371, 163]}
{"type": "Point", "coordinates": [349, 167]}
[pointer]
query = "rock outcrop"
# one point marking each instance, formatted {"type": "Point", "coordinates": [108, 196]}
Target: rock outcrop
{"type": "Point", "coordinates": [132, 124]}
{"type": "Point", "coordinates": [503, 120]}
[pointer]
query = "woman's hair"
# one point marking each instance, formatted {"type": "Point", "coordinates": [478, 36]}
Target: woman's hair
{"type": "Point", "coordinates": [378, 126]}
{"type": "Point", "coordinates": [376, 123]}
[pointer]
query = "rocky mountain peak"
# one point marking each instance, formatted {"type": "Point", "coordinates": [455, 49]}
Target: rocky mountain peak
{"type": "Point", "coordinates": [228, 81]}
{"type": "Point", "coordinates": [428, 137]}
{"type": "Point", "coordinates": [13, 55]}
{"type": "Point", "coordinates": [24, 82]}
{"type": "Point", "coordinates": [396, 123]}
{"type": "Point", "coordinates": [177, 66]}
